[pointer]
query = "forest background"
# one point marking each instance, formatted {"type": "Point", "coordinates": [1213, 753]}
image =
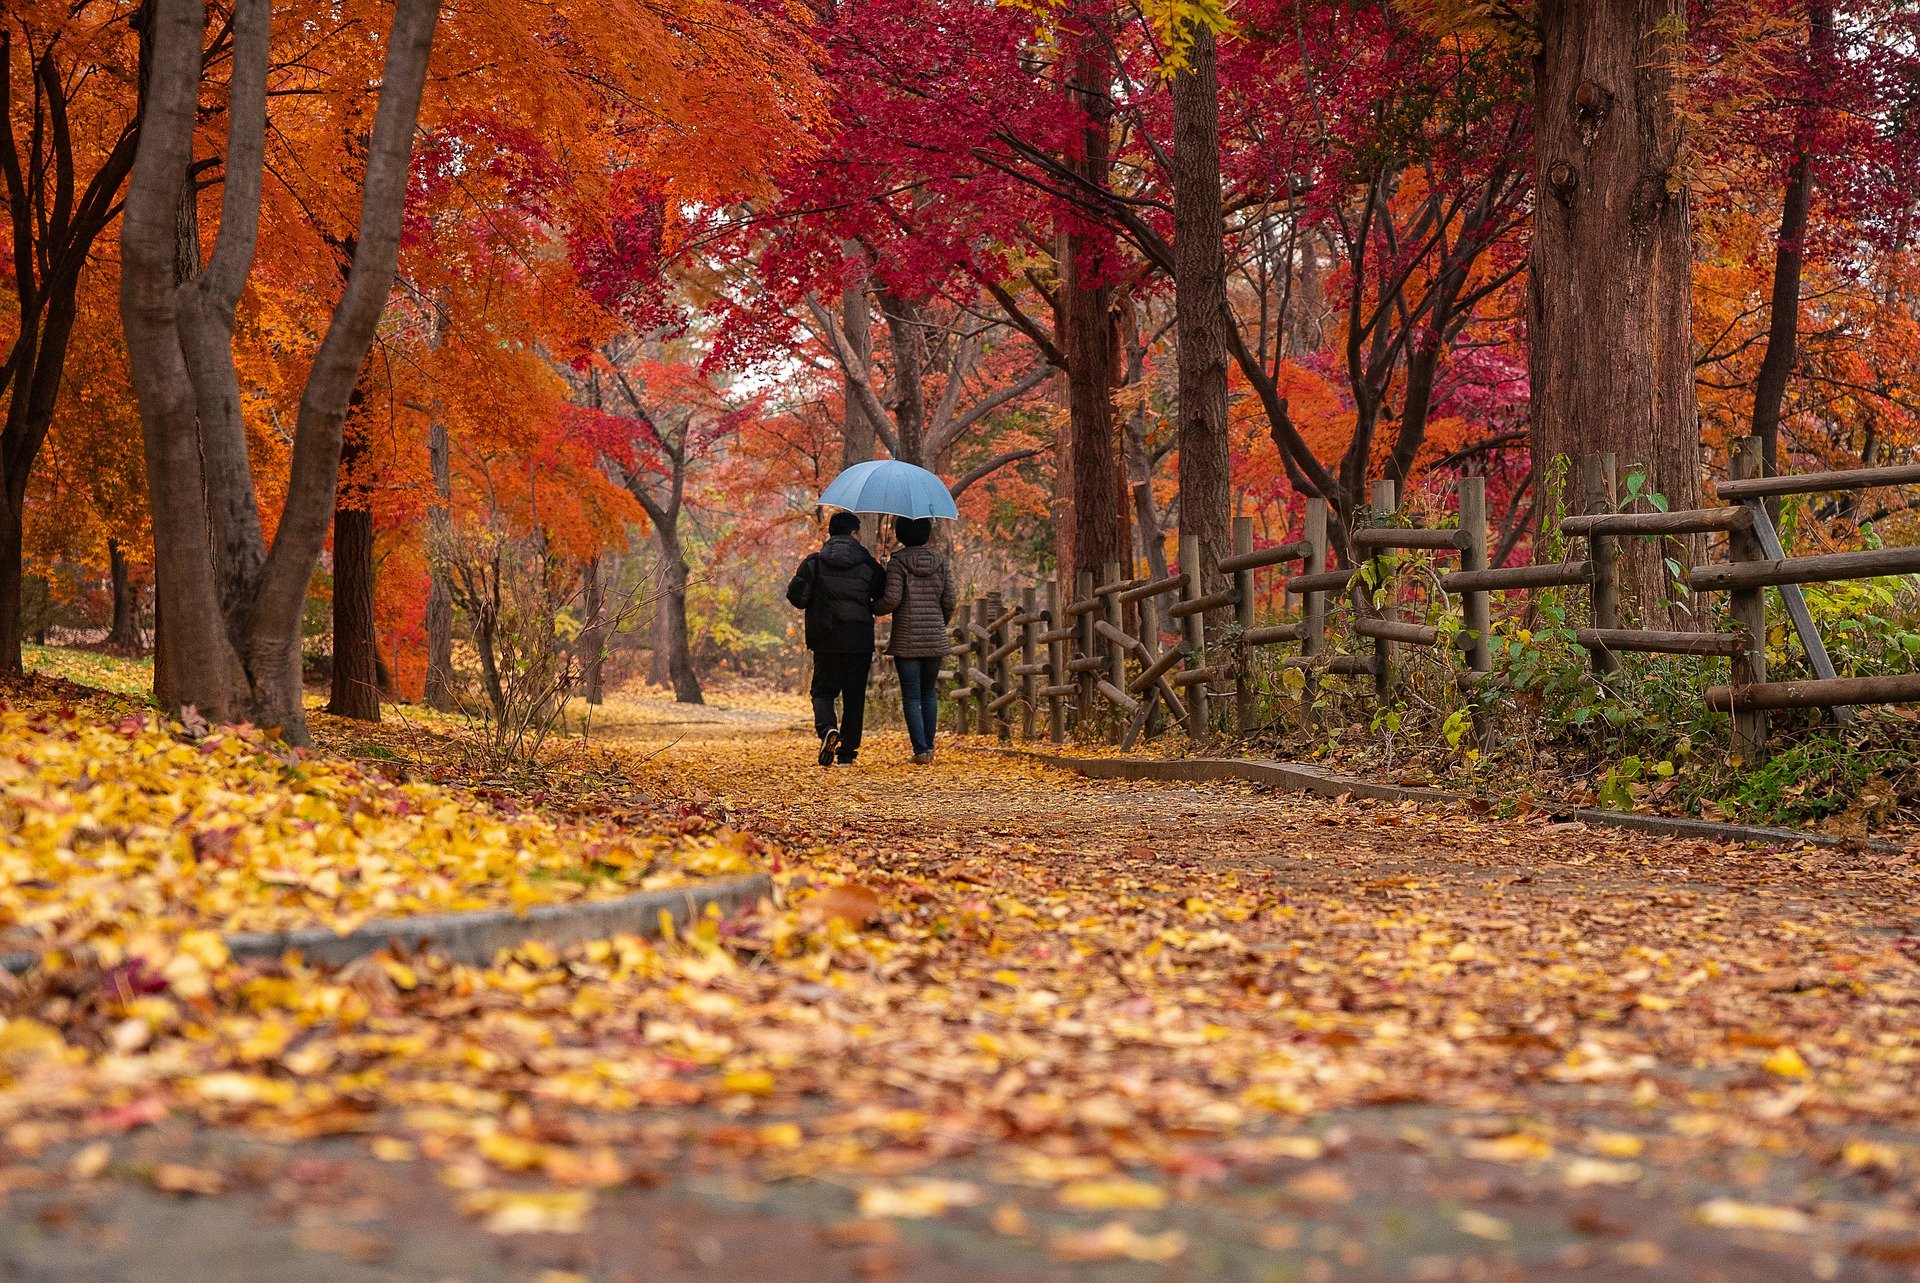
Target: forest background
{"type": "Point", "coordinates": [660, 270]}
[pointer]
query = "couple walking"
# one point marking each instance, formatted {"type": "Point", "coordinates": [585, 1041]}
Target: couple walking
{"type": "Point", "coordinates": [842, 588]}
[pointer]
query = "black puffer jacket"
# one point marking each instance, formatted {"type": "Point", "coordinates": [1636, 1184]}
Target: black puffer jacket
{"type": "Point", "coordinates": [920, 597]}
{"type": "Point", "coordinates": [837, 587]}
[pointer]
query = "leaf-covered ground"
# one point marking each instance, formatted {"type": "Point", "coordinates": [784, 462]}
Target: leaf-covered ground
{"type": "Point", "coordinates": [1008, 1023]}
{"type": "Point", "coordinates": [122, 837]}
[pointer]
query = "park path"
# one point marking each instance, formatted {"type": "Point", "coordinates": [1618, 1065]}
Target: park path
{"type": "Point", "coordinates": [1014, 1024]}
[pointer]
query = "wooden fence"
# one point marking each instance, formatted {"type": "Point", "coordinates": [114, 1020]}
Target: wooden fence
{"type": "Point", "coordinates": [1124, 646]}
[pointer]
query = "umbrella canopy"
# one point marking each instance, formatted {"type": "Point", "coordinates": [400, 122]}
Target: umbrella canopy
{"type": "Point", "coordinates": [890, 486]}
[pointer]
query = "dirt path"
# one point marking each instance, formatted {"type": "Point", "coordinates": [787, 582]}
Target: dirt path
{"type": "Point", "coordinates": [1016, 1024]}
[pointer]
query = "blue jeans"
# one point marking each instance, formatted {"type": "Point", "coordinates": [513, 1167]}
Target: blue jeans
{"type": "Point", "coordinates": [920, 697]}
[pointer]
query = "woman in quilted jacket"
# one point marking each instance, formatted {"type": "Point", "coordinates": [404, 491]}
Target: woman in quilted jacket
{"type": "Point", "coordinates": [920, 596]}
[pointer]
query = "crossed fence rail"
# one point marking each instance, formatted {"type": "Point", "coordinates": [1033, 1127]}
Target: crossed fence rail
{"type": "Point", "coordinates": [1119, 647]}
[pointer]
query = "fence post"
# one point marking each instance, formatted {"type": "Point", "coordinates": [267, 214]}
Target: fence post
{"type": "Point", "coordinates": [982, 679]}
{"type": "Point", "coordinates": [1029, 656]}
{"type": "Point", "coordinates": [1748, 607]}
{"type": "Point", "coordinates": [1083, 646]}
{"type": "Point", "coordinates": [1056, 668]}
{"type": "Point", "coordinates": [998, 668]}
{"type": "Point", "coordinates": [1313, 606]}
{"type": "Point", "coordinates": [1476, 605]}
{"type": "Point", "coordinates": [1385, 501]}
{"type": "Point", "coordinates": [1195, 627]}
{"type": "Point", "coordinates": [1596, 485]}
{"type": "Point", "coordinates": [1243, 616]}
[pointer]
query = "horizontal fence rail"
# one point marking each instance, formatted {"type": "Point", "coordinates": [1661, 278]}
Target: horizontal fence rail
{"type": "Point", "coordinates": [1126, 654]}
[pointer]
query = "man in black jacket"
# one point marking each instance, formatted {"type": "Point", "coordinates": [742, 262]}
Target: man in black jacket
{"type": "Point", "coordinates": [837, 587]}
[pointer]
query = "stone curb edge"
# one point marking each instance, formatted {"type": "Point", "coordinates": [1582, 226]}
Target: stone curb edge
{"type": "Point", "coordinates": [477, 937]}
{"type": "Point", "coordinates": [1296, 778]}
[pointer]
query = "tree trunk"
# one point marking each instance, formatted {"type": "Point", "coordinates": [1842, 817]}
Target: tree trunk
{"type": "Point", "coordinates": [356, 675]}
{"type": "Point", "coordinates": [1200, 304]}
{"type": "Point", "coordinates": [857, 434]}
{"type": "Point", "coordinates": [1783, 318]}
{"type": "Point", "coordinates": [906, 389]}
{"type": "Point", "coordinates": [439, 692]}
{"type": "Point", "coordinates": [195, 666]}
{"type": "Point", "coordinates": [1610, 339]}
{"type": "Point", "coordinates": [678, 642]}
{"type": "Point", "coordinates": [593, 637]}
{"type": "Point", "coordinates": [124, 632]}
{"type": "Point", "coordinates": [12, 576]}
{"type": "Point", "coordinates": [233, 608]}
{"type": "Point", "coordinates": [1099, 526]}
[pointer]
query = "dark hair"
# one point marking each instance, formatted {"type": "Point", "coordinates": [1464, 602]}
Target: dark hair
{"type": "Point", "coordinates": [842, 523]}
{"type": "Point", "coordinates": [912, 531]}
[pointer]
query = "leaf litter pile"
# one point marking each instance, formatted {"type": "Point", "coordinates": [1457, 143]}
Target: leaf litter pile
{"type": "Point", "coordinates": [1201, 1029]}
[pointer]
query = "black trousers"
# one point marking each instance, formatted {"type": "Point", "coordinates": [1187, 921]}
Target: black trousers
{"type": "Point", "coordinates": [842, 676]}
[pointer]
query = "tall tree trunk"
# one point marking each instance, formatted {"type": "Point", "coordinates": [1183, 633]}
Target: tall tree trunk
{"type": "Point", "coordinates": [593, 637]}
{"type": "Point", "coordinates": [1099, 524]}
{"type": "Point", "coordinates": [1200, 303]}
{"type": "Point", "coordinates": [1783, 318]}
{"type": "Point", "coordinates": [674, 573]}
{"type": "Point", "coordinates": [439, 692]}
{"type": "Point", "coordinates": [1610, 340]}
{"type": "Point", "coordinates": [234, 608]}
{"type": "Point", "coordinates": [906, 387]}
{"type": "Point", "coordinates": [124, 632]}
{"type": "Point", "coordinates": [356, 667]}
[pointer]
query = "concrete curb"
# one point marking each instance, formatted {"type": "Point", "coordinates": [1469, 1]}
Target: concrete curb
{"type": "Point", "coordinates": [1295, 778]}
{"type": "Point", "coordinates": [477, 937]}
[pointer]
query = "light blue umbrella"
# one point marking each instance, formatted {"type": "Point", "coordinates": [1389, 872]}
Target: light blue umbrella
{"type": "Point", "coordinates": [890, 486]}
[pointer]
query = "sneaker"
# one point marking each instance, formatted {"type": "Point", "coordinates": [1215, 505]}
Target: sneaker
{"type": "Point", "coordinates": [923, 759]}
{"type": "Point", "coordinates": [829, 744]}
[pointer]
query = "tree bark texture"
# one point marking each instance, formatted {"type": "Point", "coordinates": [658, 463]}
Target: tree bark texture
{"type": "Point", "coordinates": [1610, 291]}
{"type": "Point", "coordinates": [1099, 522]}
{"type": "Point", "coordinates": [858, 438]}
{"type": "Point", "coordinates": [232, 604]}
{"type": "Point", "coordinates": [124, 631]}
{"type": "Point", "coordinates": [356, 667]}
{"type": "Point", "coordinates": [906, 388]}
{"type": "Point", "coordinates": [678, 641]}
{"type": "Point", "coordinates": [440, 689]}
{"type": "Point", "coordinates": [1200, 304]}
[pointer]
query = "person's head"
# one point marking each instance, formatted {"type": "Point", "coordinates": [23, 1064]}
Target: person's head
{"type": "Point", "coordinates": [843, 523]}
{"type": "Point", "coordinates": [912, 531]}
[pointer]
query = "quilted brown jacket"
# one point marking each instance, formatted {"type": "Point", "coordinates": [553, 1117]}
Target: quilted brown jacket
{"type": "Point", "coordinates": [920, 596]}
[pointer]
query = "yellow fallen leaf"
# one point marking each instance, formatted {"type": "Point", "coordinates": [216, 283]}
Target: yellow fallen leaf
{"type": "Point", "coordinates": [1582, 1172]}
{"type": "Point", "coordinates": [1729, 1214]}
{"type": "Point", "coordinates": [391, 1149]}
{"type": "Point", "coordinates": [512, 1152]}
{"type": "Point", "coordinates": [90, 1160]}
{"type": "Point", "coordinates": [1117, 1241]}
{"type": "Point", "coordinates": [1520, 1147]}
{"type": "Point", "coordinates": [1617, 1144]}
{"type": "Point", "coordinates": [1114, 1194]}
{"type": "Point", "coordinates": [553, 1211]}
{"type": "Point", "coordinates": [1786, 1062]}
{"type": "Point", "coordinates": [1481, 1225]}
{"type": "Point", "coordinates": [916, 1200]}
{"type": "Point", "coordinates": [748, 1082]}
